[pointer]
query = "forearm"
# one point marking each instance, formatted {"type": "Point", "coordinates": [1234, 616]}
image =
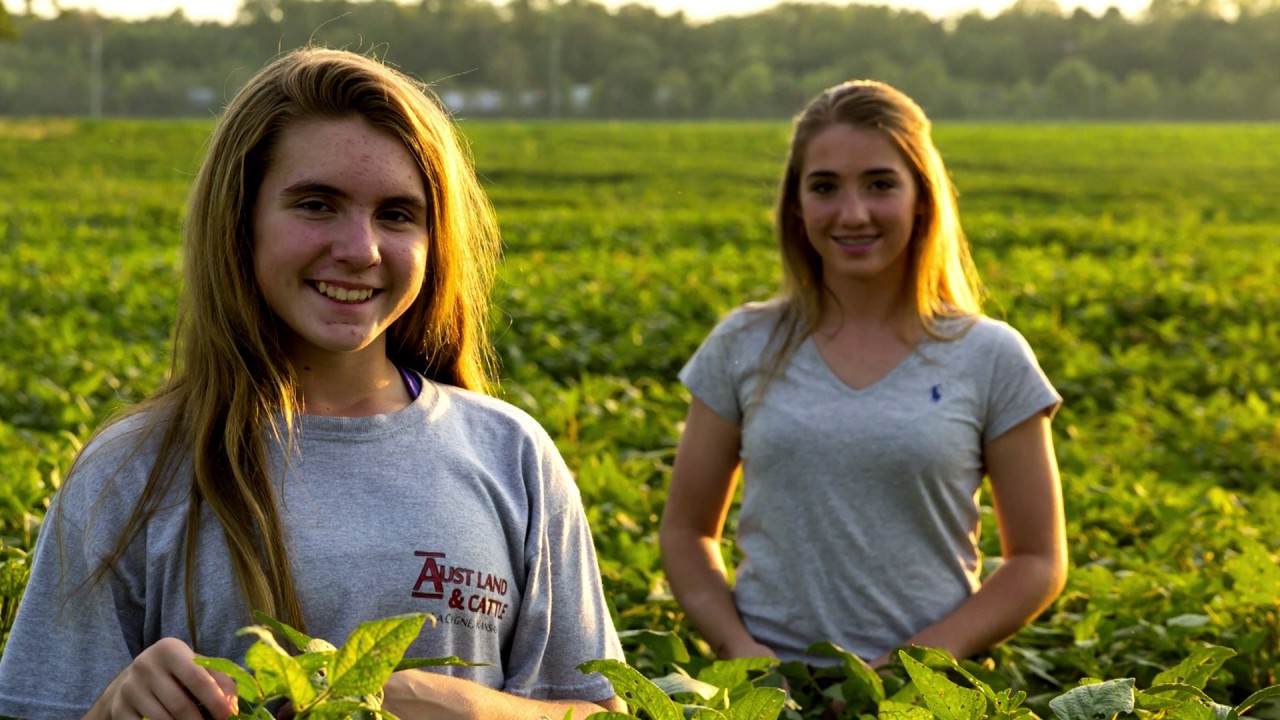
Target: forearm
{"type": "Point", "coordinates": [421, 695]}
{"type": "Point", "coordinates": [1019, 590]}
{"type": "Point", "coordinates": [695, 569]}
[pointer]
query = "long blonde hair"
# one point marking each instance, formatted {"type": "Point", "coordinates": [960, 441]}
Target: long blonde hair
{"type": "Point", "coordinates": [231, 389]}
{"type": "Point", "coordinates": [943, 282]}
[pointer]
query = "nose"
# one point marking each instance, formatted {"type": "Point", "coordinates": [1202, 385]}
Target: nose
{"type": "Point", "coordinates": [356, 242]}
{"type": "Point", "coordinates": [853, 209]}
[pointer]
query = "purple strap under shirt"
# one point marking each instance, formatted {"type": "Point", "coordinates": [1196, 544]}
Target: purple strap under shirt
{"type": "Point", "coordinates": [412, 383]}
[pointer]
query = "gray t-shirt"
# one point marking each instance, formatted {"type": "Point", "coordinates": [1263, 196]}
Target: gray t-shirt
{"type": "Point", "coordinates": [459, 506]}
{"type": "Point", "coordinates": [859, 521]}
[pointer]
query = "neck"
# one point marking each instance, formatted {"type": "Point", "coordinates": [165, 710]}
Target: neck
{"type": "Point", "coordinates": [866, 306]}
{"type": "Point", "coordinates": [352, 385]}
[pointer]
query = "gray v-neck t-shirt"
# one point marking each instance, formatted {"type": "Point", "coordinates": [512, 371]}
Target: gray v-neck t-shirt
{"type": "Point", "coordinates": [860, 520]}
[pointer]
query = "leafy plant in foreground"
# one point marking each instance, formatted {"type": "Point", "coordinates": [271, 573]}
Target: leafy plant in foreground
{"type": "Point", "coordinates": [323, 681]}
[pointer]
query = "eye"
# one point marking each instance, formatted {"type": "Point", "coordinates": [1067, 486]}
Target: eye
{"type": "Point", "coordinates": [314, 205]}
{"type": "Point", "coordinates": [397, 216]}
{"type": "Point", "coordinates": [883, 184]}
{"type": "Point", "coordinates": [822, 187]}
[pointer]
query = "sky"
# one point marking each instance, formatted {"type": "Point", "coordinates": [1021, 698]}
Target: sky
{"type": "Point", "coordinates": [225, 10]}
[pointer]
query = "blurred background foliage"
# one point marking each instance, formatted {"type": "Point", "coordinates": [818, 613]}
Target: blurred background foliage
{"type": "Point", "coordinates": [1178, 59]}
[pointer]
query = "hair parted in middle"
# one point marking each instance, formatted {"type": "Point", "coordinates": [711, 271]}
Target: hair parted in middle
{"type": "Point", "coordinates": [942, 280]}
{"type": "Point", "coordinates": [231, 388]}
{"type": "Point", "coordinates": [444, 333]}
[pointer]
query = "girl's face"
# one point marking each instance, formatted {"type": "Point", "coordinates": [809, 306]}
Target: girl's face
{"type": "Point", "coordinates": [339, 237]}
{"type": "Point", "coordinates": [858, 200]}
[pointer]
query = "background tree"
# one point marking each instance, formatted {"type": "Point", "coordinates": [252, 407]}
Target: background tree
{"type": "Point", "coordinates": [7, 30]}
{"type": "Point", "coordinates": [1179, 59]}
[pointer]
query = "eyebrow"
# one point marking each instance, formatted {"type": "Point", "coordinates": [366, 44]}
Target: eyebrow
{"type": "Point", "coordinates": [869, 172]}
{"type": "Point", "coordinates": [316, 187]}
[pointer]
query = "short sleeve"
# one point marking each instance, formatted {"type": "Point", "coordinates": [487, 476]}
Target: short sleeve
{"type": "Point", "coordinates": [717, 372]}
{"type": "Point", "coordinates": [64, 623]}
{"type": "Point", "coordinates": [1019, 389]}
{"type": "Point", "coordinates": [564, 620]}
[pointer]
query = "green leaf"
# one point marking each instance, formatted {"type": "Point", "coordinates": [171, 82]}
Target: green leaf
{"type": "Point", "coordinates": [759, 704]}
{"type": "Point", "coordinates": [667, 647]}
{"type": "Point", "coordinates": [313, 661]}
{"type": "Point", "coordinates": [371, 653]}
{"type": "Point", "coordinates": [1179, 689]}
{"type": "Point", "coordinates": [13, 577]}
{"type": "Point", "coordinates": [947, 700]}
{"type": "Point", "coordinates": [1189, 620]}
{"type": "Point", "coordinates": [246, 687]}
{"type": "Point", "coordinates": [890, 710]}
{"type": "Point", "coordinates": [675, 683]}
{"type": "Point", "coordinates": [1254, 572]}
{"type": "Point", "coordinates": [635, 689]}
{"type": "Point", "coordinates": [284, 630]}
{"type": "Point", "coordinates": [1190, 710]}
{"type": "Point", "coordinates": [1196, 669]}
{"type": "Point", "coordinates": [732, 673]}
{"type": "Point", "coordinates": [336, 709]}
{"type": "Point", "coordinates": [266, 657]}
{"type": "Point", "coordinates": [937, 658]}
{"type": "Point", "coordinates": [1263, 694]}
{"type": "Point", "coordinates": [862, 681]}
{"type": "Point", "coordinates": [261, 713]}
{"type": "Point", "coordinates": [415, 663]}
{"type": "Point", "coordinates": [1099, 700]}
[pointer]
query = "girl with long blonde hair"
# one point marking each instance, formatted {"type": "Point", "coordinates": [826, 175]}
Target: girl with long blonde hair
{"type": "Point", "coordinates": [864, 406]}
{"type": "Point", "coordinates": [323, 450]}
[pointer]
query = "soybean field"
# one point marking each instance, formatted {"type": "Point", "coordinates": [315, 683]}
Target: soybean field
{"type": "Point", "coordinates": [1141, 262]}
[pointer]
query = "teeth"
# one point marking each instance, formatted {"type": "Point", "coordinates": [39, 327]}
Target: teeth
{"type": "Point", "coordinates": [343, 294]}
{"type": "Point", "coordinates": [855, 241]}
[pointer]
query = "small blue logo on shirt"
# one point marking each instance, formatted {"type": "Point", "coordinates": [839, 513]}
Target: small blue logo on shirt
{"type": "Point", "coordinates": [935, 393]}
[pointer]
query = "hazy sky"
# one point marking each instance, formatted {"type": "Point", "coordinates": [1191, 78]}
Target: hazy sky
{"type": "Point", "coordinates": [224, 10]}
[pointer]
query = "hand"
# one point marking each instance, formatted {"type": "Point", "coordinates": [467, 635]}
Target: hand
{"type": "Point", "coordinates": [745, 649]}
{"type": "Point", "coordinates": [163, 683]}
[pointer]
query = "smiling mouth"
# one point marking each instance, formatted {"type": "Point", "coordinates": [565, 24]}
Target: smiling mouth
{"type": "Point", "coordinates": [344, 295]}
{"type": "Point", "coordinates": [856, 242]}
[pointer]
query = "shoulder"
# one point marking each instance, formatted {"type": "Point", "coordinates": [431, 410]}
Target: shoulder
{"type": "Point", "coordinates": [1002, 338]}
{"type": "Point", "coordinates": [984, 333]}
{"type": "Point", "coordinates": [485, 413]}
{"type": "Point", "coordinates": [134, 435]}
{"type": "Point", "coordinates": [751, 323]}
{"type": "Point", "coordinates": [114, 464]}
{"type": "Point", "coordinates": [754, 315]}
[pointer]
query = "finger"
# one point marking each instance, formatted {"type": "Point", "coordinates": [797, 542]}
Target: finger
{"type": "Point", "coordinates": [178, 702]}
{"type": "Point", "coordinates": [136, 701]}
{"type": "Point", "coordinates": [215, 705]}
{"type": "Point", "coordinates": [229, 690]}
{"type": "Point", "coordinates": [207, 691]}
{"type": "Point", "coordinates": [225, 683]}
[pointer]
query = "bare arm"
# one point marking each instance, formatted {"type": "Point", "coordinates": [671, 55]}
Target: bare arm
{"type": "Point", "coordinates": [163, 683]}
{"type": "Point", "coordinates": [1027, 495]}
{"type": "Point", "coordinates": [415, 694]}
{"type": "Point", "coordinates": [702, 485]}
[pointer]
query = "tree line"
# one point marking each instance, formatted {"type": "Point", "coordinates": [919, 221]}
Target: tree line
{"type": "Point", "coordinates": [1177, 60]}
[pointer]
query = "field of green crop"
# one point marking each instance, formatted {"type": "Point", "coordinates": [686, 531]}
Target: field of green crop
{"type": "Point", "coordinates": [1140, 261]}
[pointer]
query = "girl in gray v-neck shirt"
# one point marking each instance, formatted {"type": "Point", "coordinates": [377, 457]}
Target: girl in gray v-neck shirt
{"type": "Point", "coordinates": [859, 519]}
